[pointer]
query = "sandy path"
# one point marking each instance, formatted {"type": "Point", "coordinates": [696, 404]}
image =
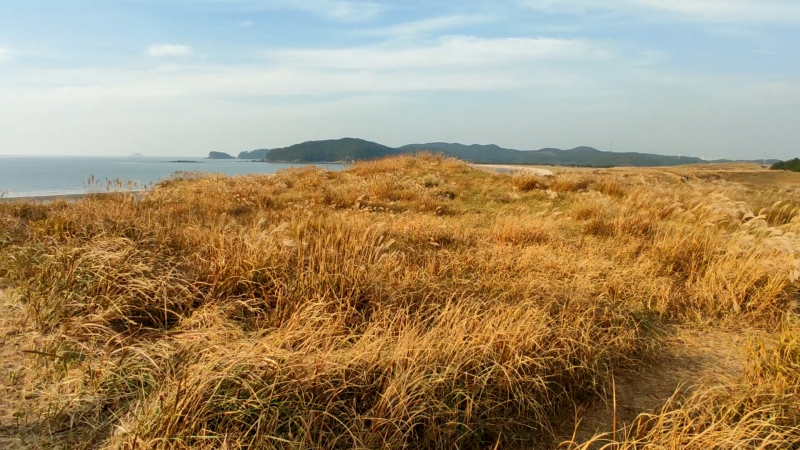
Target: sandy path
{"type": "Point", "coordinates": [690, 359]}
{"type": "Point", "coordinates": [505, 168]}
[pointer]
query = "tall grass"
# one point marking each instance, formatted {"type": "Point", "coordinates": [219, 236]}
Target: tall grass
{"type": "Point", "coordinates": [411, 302]}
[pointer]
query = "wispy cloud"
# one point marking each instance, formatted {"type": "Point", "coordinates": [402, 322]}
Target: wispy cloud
{"type": "Point", "coordinates": [246, 23]}
{"type": "Point", "coordinates": [341, 10]}
{"type": "Point", "coordinates": [449, 52]}
{"type": "Point", "coordinates": [5, 55]}
{"type": "Point", "coordinates": [161, 50]}
{"type": "Point", "coordinates": [453, 64]}
{"type": "Point", "coordinates": [347, 10]}
{"type": "Point", "coordinates": [651, 58]}
{"type": "Point", "coordinates": [88, 86]}
{"type": "Point", "coordinates": [709, 11]}
{"type": "Point", "coordinates": [428, 26]}
{"type": "Point", "coordinates": [728, 11]}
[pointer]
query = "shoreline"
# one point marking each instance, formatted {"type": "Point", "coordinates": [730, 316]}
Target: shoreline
{"type": "Point", "coordinates": [54, 197]}
{"type": "Point", "coordinates": [500, 168]}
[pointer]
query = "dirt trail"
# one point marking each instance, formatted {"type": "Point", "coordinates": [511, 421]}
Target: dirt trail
{"type": "Point", "coordinates": [689, 359]}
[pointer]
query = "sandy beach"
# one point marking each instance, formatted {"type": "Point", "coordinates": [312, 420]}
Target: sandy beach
{"type": "Point", "coordinates": [502, 168]}
{"type": "Point", "coordinates": [43, 198]}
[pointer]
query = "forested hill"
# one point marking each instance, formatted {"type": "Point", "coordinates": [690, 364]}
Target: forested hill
{"type": "Point", "coordinates": [255, 154]}
{"type": "Point", "coordinates": [350, 149]}
{"type": "Point", "coordinates": [347, 149]}
{"type": "Point", "coordinates": [580, 156]}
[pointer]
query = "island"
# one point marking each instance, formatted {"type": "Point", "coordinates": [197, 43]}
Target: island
{"type": "Point", "coordinates": [255, 154]}
{"type": "Point", "coordinates": [219, 155]}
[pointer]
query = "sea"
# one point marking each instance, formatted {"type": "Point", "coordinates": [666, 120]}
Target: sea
{"type": "Point", "coordinates": [26, 176]}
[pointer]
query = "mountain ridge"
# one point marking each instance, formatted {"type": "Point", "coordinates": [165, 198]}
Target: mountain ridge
{"type": "Point", "coordinates": [354, 149]}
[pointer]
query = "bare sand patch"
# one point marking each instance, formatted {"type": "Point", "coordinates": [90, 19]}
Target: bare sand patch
{"type": "Point", "coordinates": [512, 169]}
{"type": "Point", "coordinates": [689, 360]}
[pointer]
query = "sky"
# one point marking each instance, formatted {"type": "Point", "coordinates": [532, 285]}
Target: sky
{"type": "Point", "coordinates": [710, 78]}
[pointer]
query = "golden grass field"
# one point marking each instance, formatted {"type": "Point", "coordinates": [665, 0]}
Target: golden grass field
{"type": "Point", "coordinates": [411, 302]}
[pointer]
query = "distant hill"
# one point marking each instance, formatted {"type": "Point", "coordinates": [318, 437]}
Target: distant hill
{"type": "Point", "coordinates": [255, 154]}
{"type": "Point", "coordinates": [350, 149]}
{"type": "Point", "coordinates": [347, 149]}
{"type": "Point", "coordinates": [761, 162]}
{"type": "Point", "coordinates": [579, 156]}
{"type": "Point", "coordinates": [219, 155]}
{"type": "Point", "coordinates": [792, 164]}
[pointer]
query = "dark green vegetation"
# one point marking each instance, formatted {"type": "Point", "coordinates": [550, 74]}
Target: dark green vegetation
{"type": "Point", "coordinates": [580, 156]}
{"type": "Point", "coordinates": [219, 155]}
{"type": "Point", "coordinates": [792, 164]}
{"type": "Point", "coordinates": [255, 154]}
{"type": "Point", "coordinates": [349, 149]}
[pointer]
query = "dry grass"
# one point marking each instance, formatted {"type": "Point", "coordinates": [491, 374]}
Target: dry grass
{"type": "Point", "coordinates": [411, 302]}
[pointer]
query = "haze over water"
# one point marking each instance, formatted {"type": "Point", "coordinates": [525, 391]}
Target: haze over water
{"type": "Point", "coordinates": [25, 176]}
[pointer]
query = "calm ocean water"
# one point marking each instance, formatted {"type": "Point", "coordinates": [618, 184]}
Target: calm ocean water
{"type": "Point", "coordinates": [22, 176]}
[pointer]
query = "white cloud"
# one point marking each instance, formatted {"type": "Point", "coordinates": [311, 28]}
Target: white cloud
{"type": "Point", "coordinates": [728, 11]}
{"type": "Point", "coordinates": [447, 53]}
{"type": "Point", "coordinates": [347, 10]}
{"type": "Point", "coordinates": [426, 26]}
{"type": "Point", "coordinates": [566, 6]}
{"type": "Point", "coordinates": [246, 23]}
{"type": "Point", "coordinates": [88, 86]}
{"type": "Point", "coordinates": [160, 50]}
{"type": "Point", "coordinates": [342, 10]}
{"type": "Point", "coordinates": [5, 55]}
{"type": "Point", "coordinates": [456, 64]}
{"type": "Point", "coordinates": [709, 11]}
{"type": "Point", "coordinates": [651, 58]}
{"type": "Point", "coordinates": [453, 64]}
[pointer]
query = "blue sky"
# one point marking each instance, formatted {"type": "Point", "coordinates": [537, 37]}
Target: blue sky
{"type": "Point", "coordinates": [713, 78]}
